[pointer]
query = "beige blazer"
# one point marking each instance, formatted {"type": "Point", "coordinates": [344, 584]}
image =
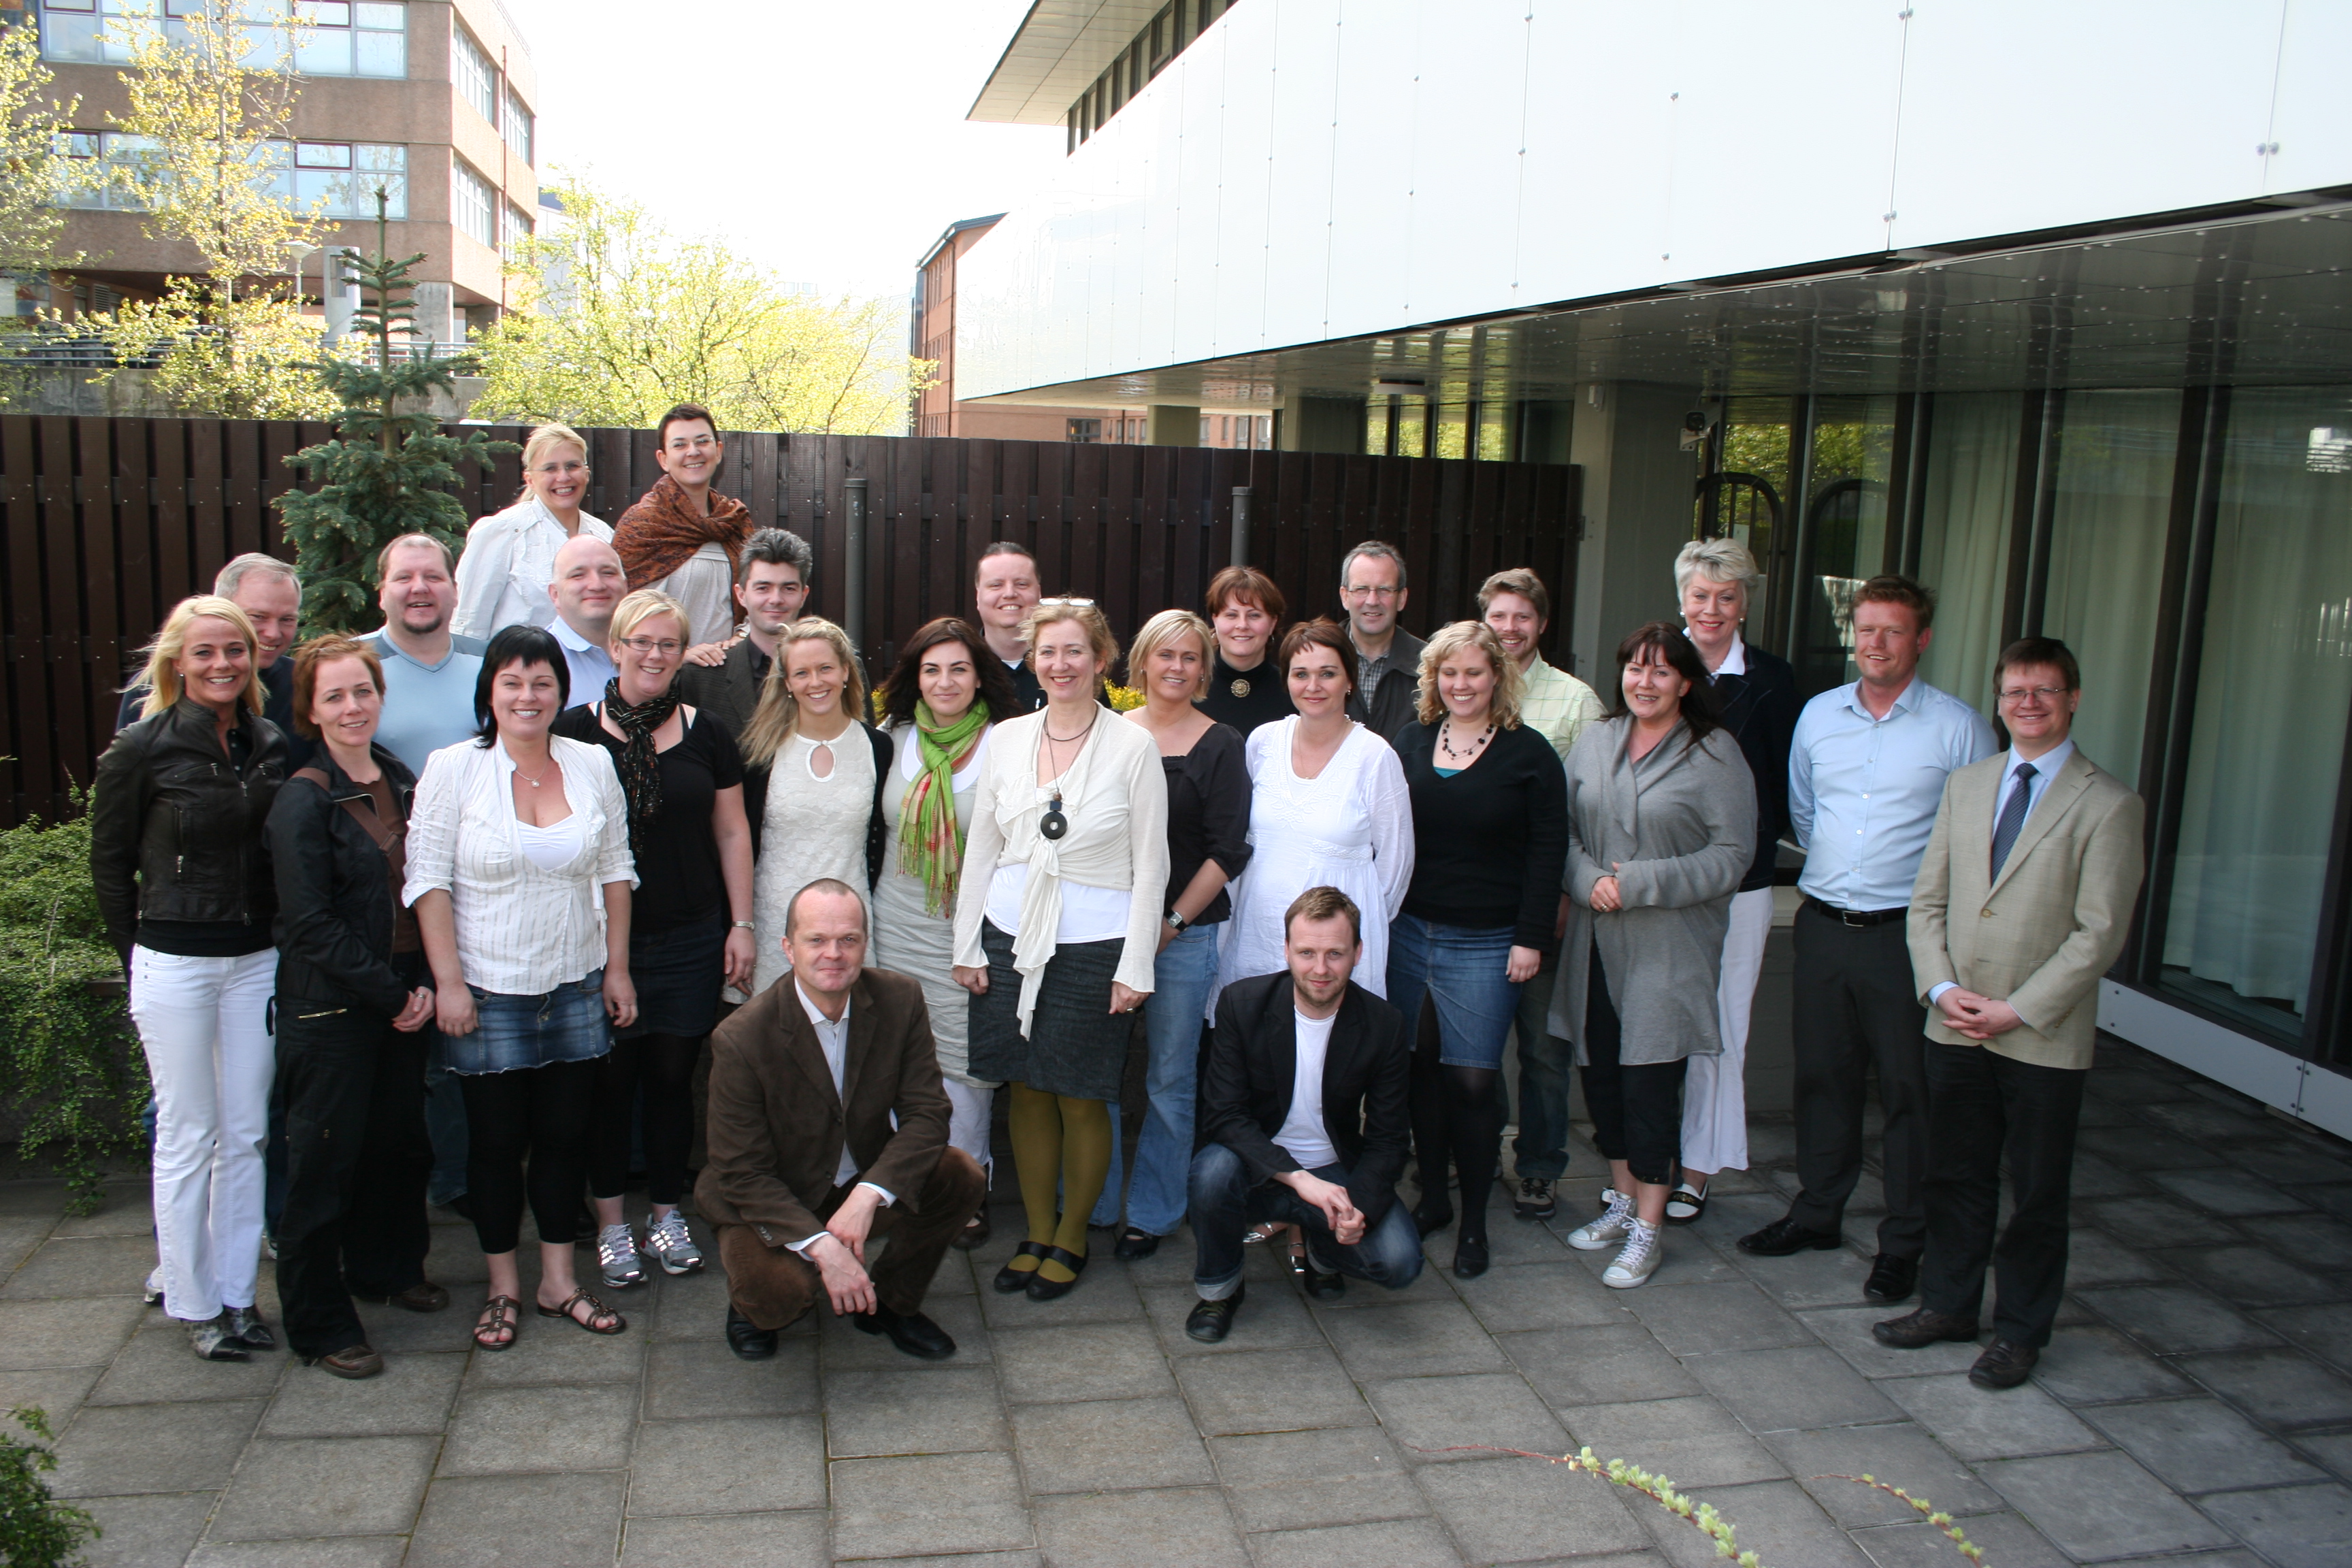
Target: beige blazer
{"type": "Point", "coordinates": [2040, 936]}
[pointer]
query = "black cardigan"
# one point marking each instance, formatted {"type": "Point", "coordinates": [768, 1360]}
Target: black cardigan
{"type": "Point", "coordinates": [1251, 1068]}
{"type": "Point", "coordinates": [1759, 708]}
{"type": "Point", "coordinates": [1490, 843]}
{"type": "Point", "coordinates": [336, 904]}
{"type": "Point", "coordinates": [755, 801]}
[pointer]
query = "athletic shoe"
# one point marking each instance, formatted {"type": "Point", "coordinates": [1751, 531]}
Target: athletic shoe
{"type": "Point", "coordinates": [1614, 1225]}
{"type": "Point", "coordinates": [1535, 1199]}
{"type": "Point", "coordinates": [617, 1253]}
{"type": "Point", "coordinates": [672, 1245]}
{"type": "Point", "coordinates": [1640, 1259]}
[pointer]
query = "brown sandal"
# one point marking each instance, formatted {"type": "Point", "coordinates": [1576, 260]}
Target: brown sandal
{"type": "Point", "coordinates": [596, 1309]}
{"type": "Point", "coordinates": [499, 1316]}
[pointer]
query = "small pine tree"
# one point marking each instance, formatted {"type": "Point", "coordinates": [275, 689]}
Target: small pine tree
{"type": "Point", "coordinates": [384, 473]}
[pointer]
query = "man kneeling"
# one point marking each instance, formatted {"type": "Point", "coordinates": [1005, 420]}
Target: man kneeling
{"type": "Point", "coordinates": [1303, 1105]}
{"type": "Point", "coordinates": [829, 1128]}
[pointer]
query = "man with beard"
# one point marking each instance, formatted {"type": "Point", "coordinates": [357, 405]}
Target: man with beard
{"type": "Point", "coordinates": [683, 537]}
{"type": "Point", "coordinates": [429, 671]}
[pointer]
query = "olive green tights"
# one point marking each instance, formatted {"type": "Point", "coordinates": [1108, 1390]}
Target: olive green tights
{"type": "Point", "coordinates": [1055, 1138]}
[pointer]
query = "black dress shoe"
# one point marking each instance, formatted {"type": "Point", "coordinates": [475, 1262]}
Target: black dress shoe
{"type": "Point", "coordinates": [1892, 1278]}
{"type": "Point", "coordinates": [747, 1339]}
{"type": "Point", "coordinates": [1922, 1327]}
{"type": "Point", "coordinates": [1469, 1256]}
{"type": "Point", "coordinates": [975, 1231]}
{"type": "Point", "coordinates": [1010, 1281]}
{"type": "Point", "coordinates": [1044, 1290]}
{"type": "Point", "coordinates": [911, 1331]}
{"type": "Point", "coordinates": [2004, 1364]}
{"type": "Point", "coordinates": [1785, 1236]}
{"type": "Point", "coordinates": [1429, 1220]}
{"type": "Point", "coordinates": [1211, 1321]}
{"type": "Point", "coordinates": [1135, 1245]}
{"type": "Point", "coordinates": [1322, 1285]}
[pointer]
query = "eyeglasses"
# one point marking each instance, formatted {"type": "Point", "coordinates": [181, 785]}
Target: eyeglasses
{"type": "Point", "coordinates": [2014, 695]}
{"type": "Point", "coordinates": [1369, 591]}
{"type": "Point", "coordinates": [665, 647]}
{"type": "Point", "coordinates": [1070, 603]}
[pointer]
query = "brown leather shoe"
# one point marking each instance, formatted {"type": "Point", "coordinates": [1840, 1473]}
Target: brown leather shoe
{"type": "Point", "coordinates": [2004, 1364]}
{"type": "Point", "coordinates": [421, 1297]}
{"type": "Point", "coordinates": [352, 1361]}
{"type": "Point", "coordinates": [1925, 1327]}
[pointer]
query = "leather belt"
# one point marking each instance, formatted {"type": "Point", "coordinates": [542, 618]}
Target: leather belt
{"type": "Point", "coordinates": [1858, 920]}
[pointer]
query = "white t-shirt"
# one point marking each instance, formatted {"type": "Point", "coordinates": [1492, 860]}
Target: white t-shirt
{"type": "Point", "coordinates": [1302, 1133]}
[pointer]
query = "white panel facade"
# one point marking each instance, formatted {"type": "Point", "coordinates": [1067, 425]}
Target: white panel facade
{"type": "Point", "coordinates": [1318, 169]}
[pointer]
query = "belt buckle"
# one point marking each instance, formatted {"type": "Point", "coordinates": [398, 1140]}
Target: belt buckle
{"type": "Point", "coordinates": [1853, 920]}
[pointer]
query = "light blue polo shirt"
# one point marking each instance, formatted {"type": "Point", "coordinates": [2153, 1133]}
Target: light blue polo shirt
{"type": "Point", "coordinates": [426, 706]}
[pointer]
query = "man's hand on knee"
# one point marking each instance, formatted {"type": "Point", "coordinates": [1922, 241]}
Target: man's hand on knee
{"type": "Point", "coordinates": [1339, 1211]}
{"type": "Point", "coordinates": [846, 1285]}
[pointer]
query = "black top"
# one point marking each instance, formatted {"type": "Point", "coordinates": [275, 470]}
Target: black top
{"type": "Point", "coordinates": [679, 883]}
{"type": "Point", "coordinates": [1249, 1070]}
{"type": "Point", "coordinates": [1490, 843]}
{"type": "Point", "coordinates": [339, 911]}
{"type": "Point", "coordinates": [1025, 687]}
{"type": "Point", "coordinates": [277, 706]}
{"type": "Point", "coordinates": [1759, 708]}
{"type": "Point", "coordinates": [1248, 698]}
{"type": "Point", "coordinates": [1208, 816]}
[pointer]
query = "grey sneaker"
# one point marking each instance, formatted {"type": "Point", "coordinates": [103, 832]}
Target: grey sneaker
{"type": "Point", "coordinates": [1535, 1199]}
{"type": "Point", "coordinates": [672, 1245]}
{"type": "Point", "coordinates": [1640, 1259]}
{"type": "Point", "coordinates": [212, 1340]}
{"type": "Point", "coordinates": [616, 1254]}
{"type": "Point", "coordinates": [1615, 1223]}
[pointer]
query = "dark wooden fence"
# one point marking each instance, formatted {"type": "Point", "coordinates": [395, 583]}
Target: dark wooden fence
{"type": "Point", "coordinates": [111, 522]}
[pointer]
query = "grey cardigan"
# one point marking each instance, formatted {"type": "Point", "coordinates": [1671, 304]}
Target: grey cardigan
{"type": "Point", "coordinates": [1680, 827]}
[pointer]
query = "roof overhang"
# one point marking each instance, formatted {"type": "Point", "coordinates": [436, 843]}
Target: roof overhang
{"type": "Point", "coordinates": [1059, 49]}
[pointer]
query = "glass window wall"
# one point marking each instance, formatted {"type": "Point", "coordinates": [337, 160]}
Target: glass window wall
{"type": "Point", "coordinates": [1966, 510]}
{"type": "Point", "coordinates": [1845, 528]}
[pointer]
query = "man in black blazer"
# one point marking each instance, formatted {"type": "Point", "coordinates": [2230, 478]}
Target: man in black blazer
{"type": "Point", "coordinates": [1303, 1107]}
{"type": "Point", "coordinates": [772, 586]}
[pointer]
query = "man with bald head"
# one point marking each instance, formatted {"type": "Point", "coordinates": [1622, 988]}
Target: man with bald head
{"type": "Point", "coordinates": [588, 585]}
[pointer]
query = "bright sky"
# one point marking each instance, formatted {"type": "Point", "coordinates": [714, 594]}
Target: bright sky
{"type": "Point", "coordinates": [827, 139]}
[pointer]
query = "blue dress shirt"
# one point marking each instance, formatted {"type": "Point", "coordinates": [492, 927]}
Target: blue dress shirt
{"type": "Point", "coordinates": [1863, 791]}
{"type": "Point", "coordinates": [2045, 768]}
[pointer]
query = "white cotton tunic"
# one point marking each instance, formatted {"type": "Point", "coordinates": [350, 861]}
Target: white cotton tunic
{"type": "Point", "coordinates": [1349, 828]}
{"type": "Point", "coordinates": [909, 938]}
{"type": "Point", "coordinates": [508, 561]}
{"type": "Point", "coordinates": [814, 827]}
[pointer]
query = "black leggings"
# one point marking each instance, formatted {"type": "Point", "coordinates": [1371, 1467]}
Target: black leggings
{"type": "Point", "coordinates": [663, 1066]}
{"type": "Point", "coordinates": [1637, 1111]}
{"type": "Point", "coordinates": [541, 1110]}
{"type": "Point", "coordinates": [1457, 1116]}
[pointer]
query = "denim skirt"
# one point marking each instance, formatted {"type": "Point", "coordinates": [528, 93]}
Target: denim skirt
{"type": "Point", "coordinates": [1465, 971]}
{"type": "Point", "coordinates": [679, 975]}
{"type": "Point", "coordinates": [565, 1025]}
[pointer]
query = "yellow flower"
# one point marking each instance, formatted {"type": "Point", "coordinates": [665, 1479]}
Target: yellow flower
{"type": "Point", "coordinates": [1124, 698]}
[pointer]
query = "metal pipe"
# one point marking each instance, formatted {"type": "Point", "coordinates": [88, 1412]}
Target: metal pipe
{"type": "Point", "coordinates": [853, 576]}
{"type": "Point", "coordinates": [1241, 525]}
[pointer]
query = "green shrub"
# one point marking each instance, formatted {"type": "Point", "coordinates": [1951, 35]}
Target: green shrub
{"type": "Point", "coordinates": [35, 1530]}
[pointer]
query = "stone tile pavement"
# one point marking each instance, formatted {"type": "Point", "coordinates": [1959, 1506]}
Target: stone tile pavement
{"type": "Point", "coordinates": [2196, 1407]}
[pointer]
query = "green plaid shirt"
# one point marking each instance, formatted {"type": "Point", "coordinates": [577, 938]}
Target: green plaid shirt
{"type": "Point", "coordinates": [1556, 706]}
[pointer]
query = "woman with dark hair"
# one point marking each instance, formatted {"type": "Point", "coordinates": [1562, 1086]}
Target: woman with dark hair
{"type": "Point", "coordinates": [1488, 843]}
{"type": "Point", "coordinates": [1245, 685]}
{"type": "Point", "coordinates": [938, 708]}
{"type": "Point", "coordinates": [689, 924]}
{"type": "Point", "coordinates": [1662, 825]}
{"type": "Point", "coordinates": [520, 873]}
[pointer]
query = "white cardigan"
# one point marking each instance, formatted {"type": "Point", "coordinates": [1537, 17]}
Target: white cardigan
{"type": "Point", "coordinates": [508, 561]}
{"type": "Point", "coordinates": [522, 931]}
{"type": "Point", "coordinates": [1115, 794]}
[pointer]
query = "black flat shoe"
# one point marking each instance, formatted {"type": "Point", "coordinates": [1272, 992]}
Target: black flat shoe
{"type": "Point", "coordinates": [1135, 1246]}
{"type": "Point", "coordinates": [911, 1331]}
{"type": "Point", "coordinates": [2004, 1364]}
{"type": "Point", "coordinates": [974, 1232]}
{"type": "Point", "coordinates": [1785, 1236]}
{"type": "Point", "coordinates": [1429, 1221]}
{"type": "Point", "coordinates": [1211, 1321]}
{"type": "Point", "coordinates": [1922, 1327]}
{"type": "Point", "coordinates": [1010, 1281]}
{"type": "Point", "coordinates": [747, 1339]}
{"type": "Point", "coordinates": [1322, 1285]}
{"type": "Point", "coordinates": [1470, 1258]}
{"type": "Point", "coordinates": [1891, 1279]}
{"type": "Point", "coordinates": [1044, 1290]}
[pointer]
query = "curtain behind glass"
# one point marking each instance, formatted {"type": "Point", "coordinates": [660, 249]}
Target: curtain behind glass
{"type": "Point", "coordinates": [1964, 537]}
{"type": "Point", "coordinates": [2108, 527]}
{"type": "Point", "coordinates": [2272, 690]}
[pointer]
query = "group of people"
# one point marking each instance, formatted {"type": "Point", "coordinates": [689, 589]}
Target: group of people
{"type": "Point", "coordinates": [456, 911]}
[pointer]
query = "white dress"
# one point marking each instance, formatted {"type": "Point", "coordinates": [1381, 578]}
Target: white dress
{"type": "Point", "coordinates": [908, 937]}
{"type": "Point", "coordinates": [813, 827]}
{"type": "Point", "coordinates": [1349, 828]}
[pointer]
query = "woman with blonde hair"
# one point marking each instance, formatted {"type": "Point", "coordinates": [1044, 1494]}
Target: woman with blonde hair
{"type": "Point", "coordinates": [1057, 927]}
{"type": "Point", "coordinates": [1490, 834]}
{"type": "Point", "coordinates": [811, 791]}
{"type": "Point", "coordinates": [182, 876]}
{"type": "Point", "coordinates": [689, 924]}
{"type": "Point", "coordinates": [509, 556]}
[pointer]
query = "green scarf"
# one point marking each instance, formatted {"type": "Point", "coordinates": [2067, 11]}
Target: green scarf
{"type": "Point", "coordinates": [931, 842]}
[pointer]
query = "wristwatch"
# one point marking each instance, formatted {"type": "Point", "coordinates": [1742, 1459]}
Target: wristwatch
{"type": "Point", "coordinates": [1177, 922]}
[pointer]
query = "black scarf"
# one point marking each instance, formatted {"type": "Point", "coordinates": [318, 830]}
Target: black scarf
{"type": "Point", "coordinates": [640, 769]}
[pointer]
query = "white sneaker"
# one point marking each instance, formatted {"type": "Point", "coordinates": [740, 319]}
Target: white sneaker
{"type": "Point", "coordinates": [1643, 1252]}
{"type": "Point", "coordinates": [617, 1253]}
{"type": "Point", "coordinates": [1611, 1229]}
{"type": "Point", "coordinates": [672, 1245]}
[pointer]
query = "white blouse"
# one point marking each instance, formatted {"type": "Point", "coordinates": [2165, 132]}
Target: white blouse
{"type": "Point", "coordinates": [523, 929]}
{"type": "Point", "coordinates": [508, 561]}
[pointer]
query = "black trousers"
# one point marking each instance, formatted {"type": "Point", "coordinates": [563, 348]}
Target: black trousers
{"type": "Point", "coordinates": [1987, 1106]}
{"type": "Point", "coordinates": [541, 1113]}
{"type": "Point", "coordinates": [351, 1092]}
{"type": "Point", "coordinates": [1856, 1010]}
{"type": "Point", "coordinates": [1637, 1111]}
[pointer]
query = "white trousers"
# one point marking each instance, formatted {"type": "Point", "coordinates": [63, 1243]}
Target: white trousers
{"type": "Point", "coordinates": [1714, 1088]}
{"type": "Point", "coordinates": [204, 1022]}
{"type": "Point", "coordinates": [970, 1112]}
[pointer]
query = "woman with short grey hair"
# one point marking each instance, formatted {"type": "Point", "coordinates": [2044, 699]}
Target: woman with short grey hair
{"type": "Point", "coordinates": [1756, 699]}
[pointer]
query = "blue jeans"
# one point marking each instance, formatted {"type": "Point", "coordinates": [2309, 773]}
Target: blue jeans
{"type": "Point", "coordinates": [1181, 979]}
{"type": "Point", "coordinates": [1541, 1146]}
{"type": "Point", "coordinates": [1465, 971]}
{"type": "Point", "coordinates": [1226, 1201]}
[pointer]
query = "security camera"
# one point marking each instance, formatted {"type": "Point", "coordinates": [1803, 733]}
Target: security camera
{"type": "Point", "coordinates": [1696, 421]}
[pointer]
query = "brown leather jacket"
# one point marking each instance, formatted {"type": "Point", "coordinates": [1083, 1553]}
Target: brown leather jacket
{"type": "Point", "coordinates": [777, 1127]}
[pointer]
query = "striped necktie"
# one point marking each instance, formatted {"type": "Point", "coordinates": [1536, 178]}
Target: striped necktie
{"type": "Point", "coordinates": [2012, 818]}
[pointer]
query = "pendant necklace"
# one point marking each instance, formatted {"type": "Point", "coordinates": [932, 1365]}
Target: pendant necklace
{"type": "Point", "coordinates": [1054, 824]}
{"type": "Point", "coordinates": [1468, 751]}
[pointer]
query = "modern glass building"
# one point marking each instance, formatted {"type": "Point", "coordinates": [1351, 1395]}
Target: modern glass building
{"type": "Point", "coordinates": [2044, 305]}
